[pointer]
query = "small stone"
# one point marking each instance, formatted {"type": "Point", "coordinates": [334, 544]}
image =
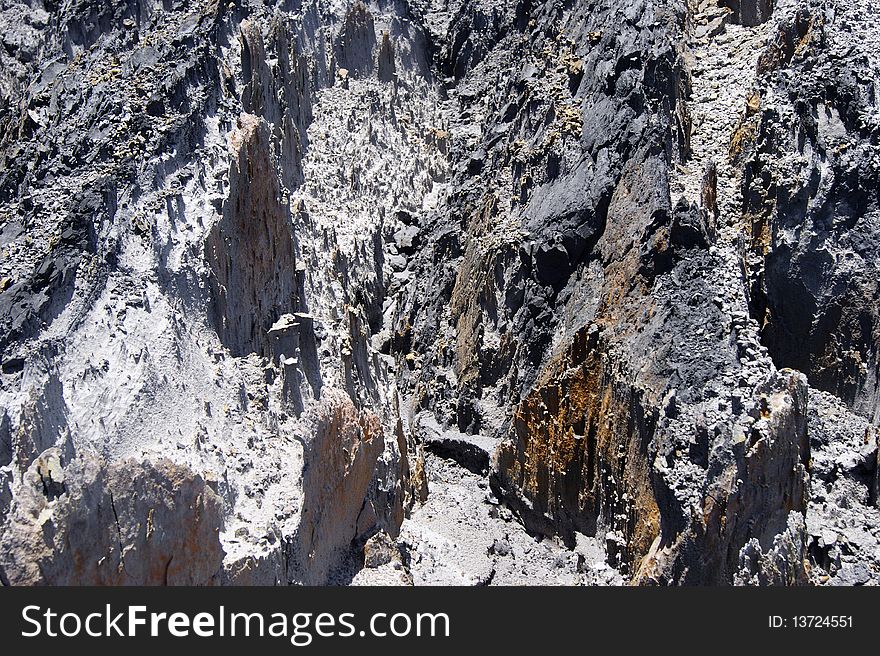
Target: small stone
{"type": "Point", "coordinates": [380, 550]}
{"type": "Point", "coordinates": [500, 547]}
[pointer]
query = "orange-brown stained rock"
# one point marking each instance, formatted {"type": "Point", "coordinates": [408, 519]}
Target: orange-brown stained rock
{"type": "Point", "coordinates": [473, 293]}
{"type": "Point", "coordinates": [578, 456]}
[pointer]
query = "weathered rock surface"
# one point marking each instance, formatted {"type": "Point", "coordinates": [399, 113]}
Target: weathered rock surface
{"type": "Point", "coordinates": [843, 516]}
{"type": "Point", "coordinates": [809, 190]}
{"type": "Point", "coordinates": [340, 462]}
{"type": "Point", "coordinates": [83, 522]}
{"type": "Point", "coordinates": [439, 291]}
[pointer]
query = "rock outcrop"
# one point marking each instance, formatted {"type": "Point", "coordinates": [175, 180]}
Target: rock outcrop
{"type": "Point", "coordinates": [255, 229]}
{"type": "Point", "coordinates": [83, 522]}
{"type": "Point", "coordinates": [439, 291]}
{"type": "Point", "coordinates": [340, 461]}
{"type": "Point", "coordinates": [808, 188]}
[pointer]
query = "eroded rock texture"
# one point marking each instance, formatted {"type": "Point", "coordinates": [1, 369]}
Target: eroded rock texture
{"type": "Point", "coordinates": [83, 522]}
{"type": "Point", "coordinates": [439, 291]}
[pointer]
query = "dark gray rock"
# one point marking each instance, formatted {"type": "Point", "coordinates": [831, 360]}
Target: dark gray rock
{"type": "Point", "coordinates": [808, 184]}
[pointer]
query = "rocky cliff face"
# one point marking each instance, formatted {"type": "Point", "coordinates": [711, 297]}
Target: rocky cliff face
{"type": "Point", "coordinates": [299, 291]}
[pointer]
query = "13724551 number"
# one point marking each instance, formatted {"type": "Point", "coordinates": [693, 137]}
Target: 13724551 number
{"type": "Point", "coordinates": [810, 622]}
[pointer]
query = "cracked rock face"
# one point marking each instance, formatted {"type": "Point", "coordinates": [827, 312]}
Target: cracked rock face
{"type": "Point", "coordinates": [129, 523]}
{"type": "Point", "coordinates": [439, 292]}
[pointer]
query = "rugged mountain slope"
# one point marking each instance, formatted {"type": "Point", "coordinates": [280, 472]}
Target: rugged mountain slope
{"type": "Point", "coordinates": [317, 285]}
